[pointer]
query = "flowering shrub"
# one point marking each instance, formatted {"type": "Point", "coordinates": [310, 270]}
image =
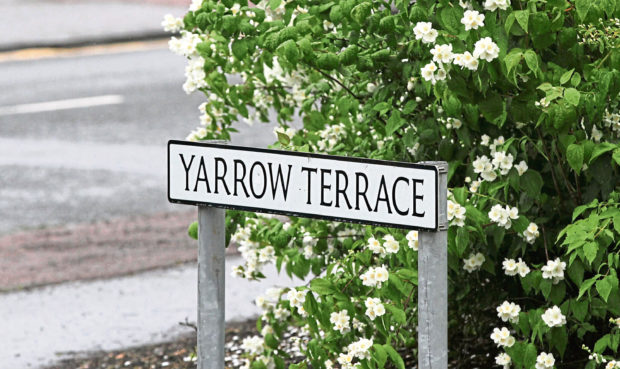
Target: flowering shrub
{"type": "Point", "coordinates": [520, 97]}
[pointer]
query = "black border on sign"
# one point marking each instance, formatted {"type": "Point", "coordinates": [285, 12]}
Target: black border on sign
{"type": "Point", "coordinates": [306, 155]}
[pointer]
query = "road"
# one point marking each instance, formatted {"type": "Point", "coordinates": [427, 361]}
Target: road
{"type": "Point", "coordinates": [83, 138]}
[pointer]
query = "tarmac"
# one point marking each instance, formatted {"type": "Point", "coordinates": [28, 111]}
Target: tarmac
{"type": "Point", "coordinates": [66, 23]}
{"type": "Point", "coordinates": [67, 312]}
{"type": "Point", "coordinates": [45, 325]}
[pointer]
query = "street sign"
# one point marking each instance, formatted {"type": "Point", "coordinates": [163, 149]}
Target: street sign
{"type": "Point", "coordinates": [377, 192]}
{"type": "Point", "coordinates": [394, 194]}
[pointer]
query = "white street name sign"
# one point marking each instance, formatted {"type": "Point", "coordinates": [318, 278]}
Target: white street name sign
{"type": "Point", "coordinates": [367, 191]}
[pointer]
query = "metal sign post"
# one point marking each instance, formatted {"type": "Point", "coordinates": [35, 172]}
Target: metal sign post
{"type": "Point", "coordinates": [211, 300]}
{"type": "Point", "coordinates": [377, 192]}
{"type": "Point", "coordinates": [433, 284]}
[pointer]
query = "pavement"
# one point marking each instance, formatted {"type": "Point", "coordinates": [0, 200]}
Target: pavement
{"type": "Point", "coordinates": [49, 324]}
{"type": "Point", "coordinates": [65, 23]}
{"type": "Point", "coordinates": [73, 287]}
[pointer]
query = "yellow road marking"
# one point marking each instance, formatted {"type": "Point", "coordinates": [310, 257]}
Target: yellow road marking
{"type": "Point", "coordinates": [59, 52]}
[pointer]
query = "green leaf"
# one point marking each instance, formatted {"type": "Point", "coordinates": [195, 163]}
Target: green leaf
{"type": "Point", "coordinates": [572, 96]}
{"type": "Point", "coordinates": [579, 309]}
{"type": "Point", "coordinates": [585, 287]}
{"type": "Point", "coordinates": [575, 272]}
{"type": "Point", "coordinates": [604, 287]}
{"type": "Point", "coordinates": [522, 17]}
{"type": "Point", "coordinates": [545, 287]}
{"type": "Point", "coordinates": [394, 123]}
{"type": "Point", "coordinates": [322, 286]}
{"type": "Point", "coordinates": [531, 59]}
{"type": "Point", "coordinates": [529, 357]}
{"type": "Point", "coordinates": [394, 356]}
{"type": "Point", "coordinates": [532, 182]}
{"type": "Point", "coordinates": [192, 230]}
{"type": "Point", "coordinates": [451, 18]}
{"type": "Point", "coordinates": [289, 50]}
{"type": "Point", "coordinates": [379, 354]}
{"type": "Point", "coordinates": [601, 344]}
{"type": "Point", "coordinates": [361, 12]}
{"type": "Point", "coordinates": [462, 241]}
{"type": "Point", "coordinates": [513, 59]}
{"type": "Point", "coordinates": [600, 149]}
{"type": "Point", "coordinates": [590, 249]}
{"type": "Point", "coordinates": [566, 76]}
{"type": "Point", "coordinates": [239, 48]}
{"type": "Point", "coordinates": [574, 156]}
{"type": "Point", "coordinates": [397, 314]}
{"type": "Point", "coordinates": [559, 339]}
{"type": "Point", "coordinates": [283, 138]}
{"type": "Point", "coordinates": [583, 7]}
{"type": "Point", "coordinates": [327, 61]}
{"type": "Point", "coordinates": [271, 341]}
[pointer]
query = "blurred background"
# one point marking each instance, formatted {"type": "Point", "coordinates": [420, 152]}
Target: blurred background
{"type": "Point", "coordinates": [92, 256]}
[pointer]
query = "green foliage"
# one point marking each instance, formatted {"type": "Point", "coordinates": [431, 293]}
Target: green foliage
{"type": "Point", "coordinates": [530, 133]}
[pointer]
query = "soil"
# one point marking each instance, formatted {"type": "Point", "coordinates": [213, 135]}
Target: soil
{"type": "Point", "coordinates": [104, 249]}
{"type": "Point", "coordinates": [178, 354]}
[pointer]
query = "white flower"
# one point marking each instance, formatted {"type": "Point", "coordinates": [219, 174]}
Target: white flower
{"type": "Point", "coordinates": [327, 25]}
{"type": "Point", "coordinates": [510, 267]}
{"type": "Point", "coordinates": [486, 49]}
{"type": "Point", "coordinates": [475, 185]}
{"type": "Point", "coordinates": [465, 60]}
{"type": "Point", "coordinates": [502, 337]}
{"type": "Point", "coordinates": [481, 164]}
{"type": "Point", "coordinates": [553, 317]}
{"type": "Point", "coordinates": [596, 134]}
{"type": "Point", "coordinates": [522, 268]}
{"type": "Point", "coordinates": [186, 45]}
{"type": "Point", "coordinates": [374, 277]}
{"type": "Point", "coordinates": [375, 246]}
{"type": "Point", "coordinates": [509, 311]}
{"type": "Point", "coordinates": [503, 216]}
{"type": "Point", "coordinates": [554, 270]}
{"type": "Point", "coordinates": [456, 213]}
{"type": "Point", "coordinates": [484, 140]}
{"type": "Point", "coordinates": [545, 361]}
{"type": "Point", "coordinates": [253, 345]}
{"type": "Point", "coordinates": [359, 349]}
{"type": "Point", "coordinates": [374, 308]}
{"type": "Point", "coordinates": [412, 238]}
{"type": "Point", "coordinates": [296, 298]}
{"type": "Point", "coordinates": [521, 167]}
{"type": "Point", "coordinates": [531, 233]}
{"type": "Point", "coordinates": [172, 24]}
{"type": "Point", "coordinates": [503, 360]}
{"type": "Point", "coordinates": [424, 31]}
{"type": "Point", "coordinates": [340, 320]}
{"type": "Point", "coordinates": [473, 262]}
{"type": "Point", "coordinates": [472, 19]}
{"type": "Point", "coordinates": [235, 8]}
{"type": "Point", "coordinates": [429, 70]}
{"type": "Point", "coordinates": [195, 5]}
{"type": "Point", "coordinates": [290, 132]}
{"type": "Point", "coordinates": [390, 244]}
{"type": "Point", "coordinates": [493, 5]}
{"type": "Point", "coordinates": [442, 53]}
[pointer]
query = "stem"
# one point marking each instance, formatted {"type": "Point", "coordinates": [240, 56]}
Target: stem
{"type": "Point", "coordinates": [485, 196]}
{"type": "Point", "coordinates": [603, 60]}
{"type": "Point", "coordinates": [337, 82]}
{"type": "Point", "coordinates": [545, 241]}
{"type": "Point", "coordinates": [555, 181]}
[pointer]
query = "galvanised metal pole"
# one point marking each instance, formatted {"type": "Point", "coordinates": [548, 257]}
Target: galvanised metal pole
{"type": "Point", "coordinates": [433, 284]}
{"type": "Point", "coordinates": [211, 277]}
